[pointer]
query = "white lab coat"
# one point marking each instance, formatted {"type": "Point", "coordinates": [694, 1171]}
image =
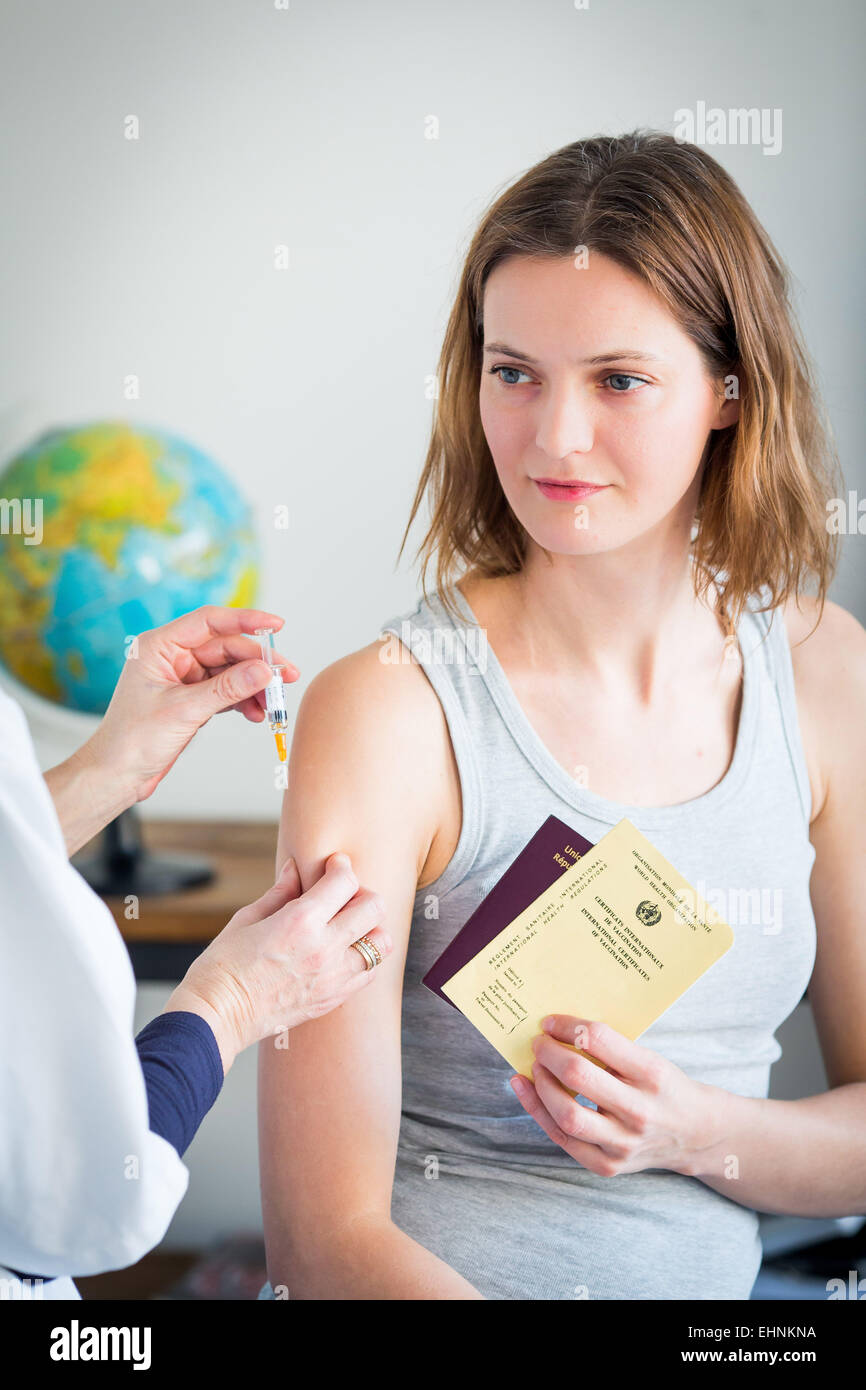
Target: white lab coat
{"type": "Point", "coordinates": [84, 1185]}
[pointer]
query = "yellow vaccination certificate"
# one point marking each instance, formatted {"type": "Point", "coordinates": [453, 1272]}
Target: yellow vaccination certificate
{"type": "Point", "coordinates": [618, 938]}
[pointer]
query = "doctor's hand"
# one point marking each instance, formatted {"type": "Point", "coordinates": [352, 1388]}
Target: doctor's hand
{"type": "Point", "coordinates": [174, 679]}
{"type": "Point", "coordinates": [284, 959]}
{"type": "Point", "coordinates": [650, 1114]}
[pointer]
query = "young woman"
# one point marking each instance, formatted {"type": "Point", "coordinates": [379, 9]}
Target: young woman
{"type": "Point", "coordinates": [628, 479]}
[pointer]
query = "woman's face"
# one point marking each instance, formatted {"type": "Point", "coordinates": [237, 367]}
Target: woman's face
{"type": "Point", "coordinates": [616, 394]}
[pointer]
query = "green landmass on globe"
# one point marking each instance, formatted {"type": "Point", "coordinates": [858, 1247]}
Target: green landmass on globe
{"type": "Point", "coordinates": [138, 527]}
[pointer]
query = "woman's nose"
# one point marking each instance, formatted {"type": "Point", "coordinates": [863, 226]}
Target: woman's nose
{"type": "Point", "coordinates": [565, 423]}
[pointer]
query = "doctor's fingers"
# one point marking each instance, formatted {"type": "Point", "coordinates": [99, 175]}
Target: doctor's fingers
{"type": "Point", "coordinates": [358, 974]}
{"type": "Point", "coordinates": [323, 899]}
{"type": "Point", "coordinates": [193, 630]}
{"type": "Point", "coordinates": [286, 889]}
{"type": "Point", "coordinates": [217, 653]}
{"type": "Point", "coordinates": [328, 938]}
{"type": "Point", "coordinates": [361, 917]}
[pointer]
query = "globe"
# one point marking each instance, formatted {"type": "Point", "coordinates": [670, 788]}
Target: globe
{"type": "Point", "coordinates": [115, 530]}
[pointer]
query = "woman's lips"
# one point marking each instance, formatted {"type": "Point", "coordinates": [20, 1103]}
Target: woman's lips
{"type": "Point", "coordinates": [568, 492]}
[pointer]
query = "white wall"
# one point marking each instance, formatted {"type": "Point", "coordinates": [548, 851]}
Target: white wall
{"type": "Point", "coordinates": [307, 127]}
{"type": "Point", "coordinates": [261, 126]}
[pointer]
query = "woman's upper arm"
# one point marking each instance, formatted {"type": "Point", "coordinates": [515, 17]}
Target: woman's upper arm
{"type": "Point", "coordinates": [830, 676]}
{"type": "Point", "coordinates": [362, 778]}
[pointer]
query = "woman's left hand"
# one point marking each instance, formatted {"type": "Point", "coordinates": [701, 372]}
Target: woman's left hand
{"type": "Point", "coordinates": [650, 1114]}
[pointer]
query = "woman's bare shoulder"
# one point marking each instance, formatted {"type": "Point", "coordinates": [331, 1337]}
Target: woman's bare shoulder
{"type": "Point", "coordinates": [385, 697]}
{"type": "Point", "coordinates": [828, 656]}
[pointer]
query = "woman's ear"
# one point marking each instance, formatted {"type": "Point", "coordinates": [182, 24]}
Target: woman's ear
{"type": "Point", "coordinates": [729, 414]}
{"type": "Point", "coordinates": [728, 402]}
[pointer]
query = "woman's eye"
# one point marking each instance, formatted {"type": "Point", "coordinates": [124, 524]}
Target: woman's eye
{"type": "Point", "coordinates": [494, 371]}
{"type": "Point", "coordinates": [622, 383]}
{"type": "Point", "coordinates": [624, 376]}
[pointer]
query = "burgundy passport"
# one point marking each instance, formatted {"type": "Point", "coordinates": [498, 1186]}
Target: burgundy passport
{"type": "Point", "coordinates": [552, 850]}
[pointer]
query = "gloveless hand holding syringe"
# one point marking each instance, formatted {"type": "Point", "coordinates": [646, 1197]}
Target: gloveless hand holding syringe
{"type": "Point", "coordinates": [182, 674]}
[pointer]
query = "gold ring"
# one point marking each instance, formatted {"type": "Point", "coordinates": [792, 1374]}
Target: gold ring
{"type": "Point", "coordinates": [371, 945]}
{"type": "Point", "coordinates": [364, 950]}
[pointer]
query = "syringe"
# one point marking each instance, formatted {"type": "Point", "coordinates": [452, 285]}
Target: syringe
{"type": "Point", "coordinates": [275, 693]}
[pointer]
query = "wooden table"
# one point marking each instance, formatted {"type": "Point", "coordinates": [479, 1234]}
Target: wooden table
{"type": "Point", "coordinates": [171, 930]}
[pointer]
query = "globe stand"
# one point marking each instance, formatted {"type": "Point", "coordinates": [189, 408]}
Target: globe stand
{"type": "Point", "coordinates": [124, 865]}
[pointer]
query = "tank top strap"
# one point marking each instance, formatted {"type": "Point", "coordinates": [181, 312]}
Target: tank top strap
{"type": "Point", "coordinates": [447, 652]}
{"type": "Point", "coordinates": [779, 670]}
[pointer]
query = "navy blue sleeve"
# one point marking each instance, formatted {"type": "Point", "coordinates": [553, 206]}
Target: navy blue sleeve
{"type": "Point", "coordinates": [183, 1074]}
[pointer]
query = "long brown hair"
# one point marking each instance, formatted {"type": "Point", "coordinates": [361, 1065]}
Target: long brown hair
{"type": "Point", "coordinates": [670, 214]}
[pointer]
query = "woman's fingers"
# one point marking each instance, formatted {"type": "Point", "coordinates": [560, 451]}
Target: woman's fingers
{"type": "Point", "coordinates": [582, 1076]}
{"type": "Point", "coordinates": [527, 1093]}
{"type": "Point", "coordinates": [574, 1120]}
{"type": "Point", "coordinates": [618, 1053]}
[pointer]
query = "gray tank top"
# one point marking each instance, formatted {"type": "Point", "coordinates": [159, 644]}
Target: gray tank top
{"type": "Point", "coordinates": [476, 1180]}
